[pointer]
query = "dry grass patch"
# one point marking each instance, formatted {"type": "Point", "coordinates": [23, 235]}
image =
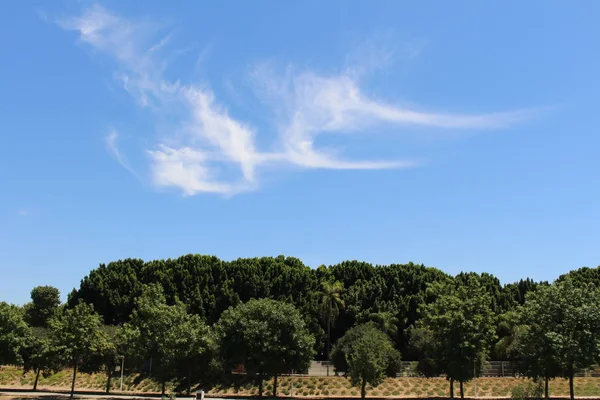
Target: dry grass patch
{"type": "Point", "coordinates": [332, 386]}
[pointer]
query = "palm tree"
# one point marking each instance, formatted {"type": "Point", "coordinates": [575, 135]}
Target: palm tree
{"type": "Point", "coordinates": [387, 322]}
{"type": "Point", "coordinates": [331, 305]}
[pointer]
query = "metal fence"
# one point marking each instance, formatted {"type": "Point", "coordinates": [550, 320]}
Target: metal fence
{"type": "Point", "coordinates": [320, 368]}
{"type": "Point", "coordinates": [409, 369]}
{"type": "Point", "coordinates": [491, 369]}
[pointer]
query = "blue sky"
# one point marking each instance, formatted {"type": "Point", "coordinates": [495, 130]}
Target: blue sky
{"type": "Point", "coordinates": [462, 135]}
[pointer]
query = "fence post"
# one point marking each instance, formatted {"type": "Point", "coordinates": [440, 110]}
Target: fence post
{"type": "Point", "coordinates": [502, 368]}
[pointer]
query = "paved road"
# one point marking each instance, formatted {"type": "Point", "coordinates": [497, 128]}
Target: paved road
{"type": "Point", "coordinates": [18, 393]}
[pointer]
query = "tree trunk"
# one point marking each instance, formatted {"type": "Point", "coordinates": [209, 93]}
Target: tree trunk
{"type": "Point", "coordinates": [571, 388]}
{"type": "Point", "coordinates": [275, 386]}
{"type": "Point", "coordinates": [462, 390]}
{"type": "Point", "coordinates": [451, 388]}
{"type": "Point", "coordinates": [189, 387]}
{"type": "Point", "coordinates": [546, 392]}
{"type": "Point", "coordinates": [37, 378]}
{"type": "Point", "coordinates": [163, 386]}
{"type": "Point", "coordinates": [260, 385]}
{"type": "Point", "coordinates": [73, 382]}
{"type": "Point", "coordinates": [108, 378]}
{"type": "Point", "coordinates": [328, 334]}
{"type": "Point", "coordinates": [363, 389]}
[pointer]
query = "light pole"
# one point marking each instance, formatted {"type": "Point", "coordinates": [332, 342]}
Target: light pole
{"type": "Point", "coordinates": [475, 378]}
{"type": "Point", "coordinates": [122, 365]}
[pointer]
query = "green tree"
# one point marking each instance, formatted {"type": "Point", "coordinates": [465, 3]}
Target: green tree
{"type": "Point", "coordinates": [166, 334]}
{"type": "Point", "coordinates": [430, 363]}
{"type": "Point", "coordinates": [205, 284]}
{"type": "Point", "coordinates": [366, 354]}
{"type": "Point", "coordinates": [40, 356]}
{"type": "Point", "coordinates": [399, 289]}
{"type": "Point", "coordinates": [562, 331]}
{"type": "Point", "coordinates": [331, 305]}
{"type": "Point", "coordinates": [14, 334]}
{"type": "Point", "coordinates": [78, 337]}
{"type": "Point", "coordinates": [107, 360]}
{"type": "Point", "coordinates": [268, 337]}
{"type": "Point", "coordinates": [533, 347]}
{"type": "Point", "coordinates": [582, 276]}
{"type": "Point", "coordinates": [113, 354]}
{"type": "Point", "coordinates": [45, 301]}
{"type": "Point", "coordinates": [460, 323]}
{"type": "Point", "coordinates": [112, 289]}
{"type": "Point", "coordinates": [577, 337]}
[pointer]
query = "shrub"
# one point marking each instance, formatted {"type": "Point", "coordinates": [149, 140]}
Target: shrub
{"type": "Point", "coordinates": [528, 390]}
{"type": "Point", "coordinates": [412, 369]}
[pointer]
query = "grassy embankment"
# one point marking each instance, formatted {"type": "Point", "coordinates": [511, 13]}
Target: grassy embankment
{"type": "Point", "coordinates": [11, 377]}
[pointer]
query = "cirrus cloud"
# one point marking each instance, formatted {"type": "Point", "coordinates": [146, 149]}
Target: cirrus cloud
{"type": "Point", "coordinates": [209, 151]}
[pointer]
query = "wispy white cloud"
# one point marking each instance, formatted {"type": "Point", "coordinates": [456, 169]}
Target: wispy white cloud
{"type": "Point", "coordinates": [376, 52]}
{"type": "Point", "coordinates": [132, 44]}
{"type": "Point", "coordinates": [380, 51]}
{"type": "Point", "coordinates": [211, 136]}
{"type": "Point", "coordinates": [313, 105]}
{"type": "Point", "coordinates": [23, 212]}
{"type": "Point", "coordinates": [110, 141]}
{"type": "Point", "coordinates": [162, 43]}
{"type": "Point", "coordinates": [211, 151]}
{"type": "Point", "coordinates": [204, 55]}
{"type": "Point", "coordinates": [232, 91]}
{"type": "Point", "coordinates": [187, 169]}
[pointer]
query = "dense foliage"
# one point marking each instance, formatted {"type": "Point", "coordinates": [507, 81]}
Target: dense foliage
{"type": "Point", "coordinates": [189, 319]}
{"type": "Point", "coordinates": [173, 339]}
{"type": "Point", "coordinates": [14, 334]}
{"type": "Point", "coordinates": [266, 336]}
{"type": "Point", "coordinates": [45, 301]}
{"type": "Point", "coordinates": [459, 328]}
{"type": "Point", "coordinates": [366, 354]}
{"type": "Point", "coordinates": [560, 331]}
{"type": "Point", "coordinates": [78, 338]}
{"type": "Point", "coordinates": [357, 290]}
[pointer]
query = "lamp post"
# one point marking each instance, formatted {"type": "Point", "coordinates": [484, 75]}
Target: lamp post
{"type": "Point", "coordinates": [475, 378]}
{"type": "Point", "coordinates": [122, 365]}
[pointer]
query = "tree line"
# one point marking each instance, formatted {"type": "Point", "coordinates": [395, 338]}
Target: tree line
{"type": "Point", "coordinates": [195, 318]}
{"type": "Point", "coordinates": [208, 286]}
